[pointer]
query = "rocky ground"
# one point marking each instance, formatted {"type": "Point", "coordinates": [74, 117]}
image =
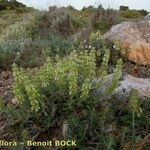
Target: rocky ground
{"type": "Point", "coordinates": [6, 93]}
{"type": "Point", "coordinates": [6, 85]}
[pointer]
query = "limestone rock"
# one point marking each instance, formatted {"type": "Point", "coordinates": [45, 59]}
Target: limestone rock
{"type": "Point", "coordinates": [147, 17]}
{"type": "Point", "coordinates": [134, 38]}
{"type": "Point", "coordinates": [125, 86]}
{"type": "Point", "coordinates": [130, 82]}
{"type": "Point", "coordinates": [14, 101]}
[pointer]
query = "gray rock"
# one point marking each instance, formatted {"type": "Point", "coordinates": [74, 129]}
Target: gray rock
{"type": "Point", "coordinates": [125, 86]}
{"type": "Point", "coordinates": [105, 85]}
{"type": "Point", "coordinates": [14, 101]}
{"type": "Point", "coordinates": [147, 17]}
{"type": "Point", "coordinates": [140, 84]}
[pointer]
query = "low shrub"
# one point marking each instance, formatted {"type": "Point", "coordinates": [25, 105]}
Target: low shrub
{"type": "Point", "coordinates": [31, 53]}
{"type": "Point", "coordinates": [103, 19]}
{"type": "Point", "coordinates": [78, 21]}
{"type": "Point", "coordinates": [61, 95]}
{"type": "Point", "coordinates": [10, 5]}
{"type": "Point", "coordinates": [96, 40]}
{"type": "Point", "coordinates": [58, 91]}
{"type": "Point", "coordinates": [131, 14]}
{"type": "Point", "coordinates": [56, 20]}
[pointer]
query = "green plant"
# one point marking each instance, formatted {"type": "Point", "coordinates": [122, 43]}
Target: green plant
{"type": "Point", "coordinates": [52, 93]}
{"type": "Point", "coordinates": [123, 8]}
{"type": "Point", "coordinates": [125, 122]}
{"type": "Point", "coordinates": [135, 108]}
{"type": "Point", "coordinates": [31, 53]}
{"type": "Point", "coordinates": [131, 14]}
{"type": "Point", "coordinates": [116, 76]}
{"type": "Point", "coordinates": [78, 21]}
{"type": "Point", "coordinates": [103, 19]}
{"type": "Point", "coordinates": [10, 5]}
{"type": "Point", "coordinates": [83, 64]}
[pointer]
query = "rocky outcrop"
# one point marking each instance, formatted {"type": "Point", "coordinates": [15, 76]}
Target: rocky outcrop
{"type": "Point", "coordinates": [134, 38]}
{"type": "Point", "coordinates": [130, 82]}
{"type": "Point", "coordinates": [125, 86]}
{"type": "Point", "coordinates": [147, 17]}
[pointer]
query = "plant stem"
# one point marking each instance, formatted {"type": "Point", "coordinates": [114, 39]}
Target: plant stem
{"type": "Point", "coordinates": [133, 128]}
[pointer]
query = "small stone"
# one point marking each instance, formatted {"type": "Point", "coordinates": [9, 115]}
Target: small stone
{"type": "Point", "coordinates": [14, 101]}
{"type": "Point", "coordinates": [65, 128]}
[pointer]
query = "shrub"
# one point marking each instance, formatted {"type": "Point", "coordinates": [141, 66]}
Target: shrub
{"type": "Point", "coordinates": [8, 53]}
{"type": "Point", "coordinates": [71, 8]}
{"type": "Point", "coordinates": [129, 120]}
{"type": "Point", "coordinates": [29, 42]}
{"type": "Point", "coordinates": [131, 14]}
{"type": "Point", "coordinates": [11, 5]}
{"type": "Point", "coordinates": [14, 26]}
{"type": "Point", "coordinates": [56, 20]}
{"type": "Point", "coordinates": [89, 8]}
{"type": "Point", "coordinates": [143, 12]}
{"type": "Point", "coordinates": [20, 52]}
{"type": "Point", "coordinates": [78, 21]}
{"type": "Point", "coordinates": [124, 8]}
{"type": "Point", "coordinates": [97, 41]}
{"type": "Point", "coordinates": [103, 19]}
{"type": "Point", "coordinates": [55, 92]}
{"type": "Point", "coordinates": [32, 53]}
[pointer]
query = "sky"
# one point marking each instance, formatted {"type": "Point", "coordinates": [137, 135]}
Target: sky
{"type": "Point", "coordinates": [79, 4]}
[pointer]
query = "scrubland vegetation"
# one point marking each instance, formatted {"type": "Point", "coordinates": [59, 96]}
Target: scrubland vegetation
{"type": "Point", "coordinates": [59, 60]}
